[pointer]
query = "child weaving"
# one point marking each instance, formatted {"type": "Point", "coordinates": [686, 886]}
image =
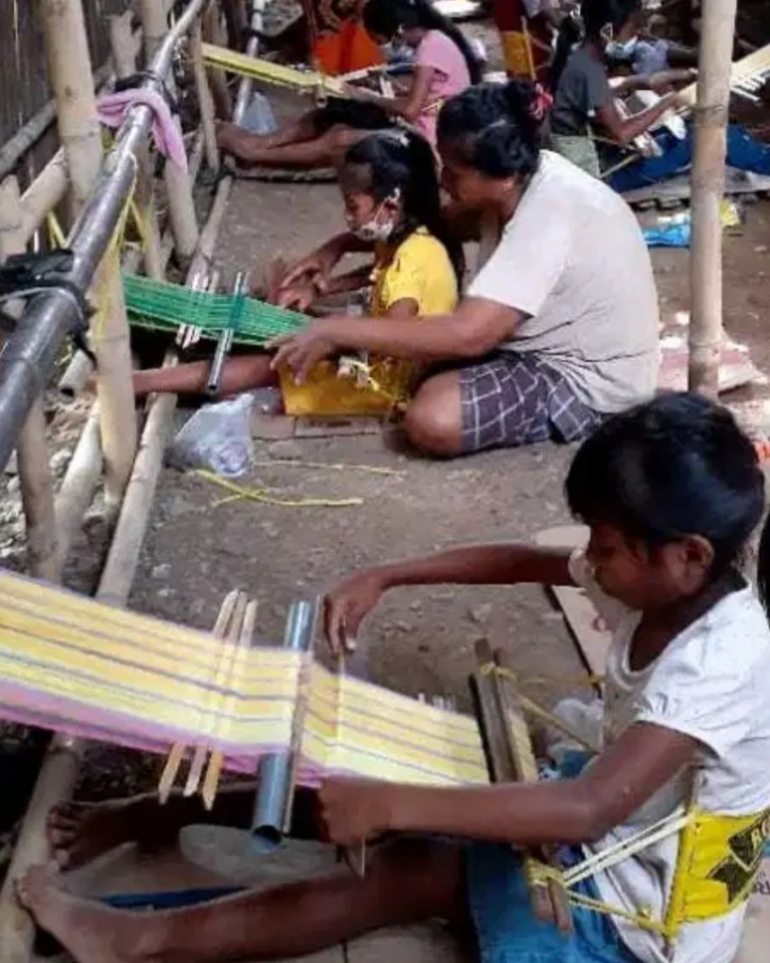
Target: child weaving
{"type": "Point", "coordinates": [671, 491]}
{"type": "Point", "coordinates": [392, 208]}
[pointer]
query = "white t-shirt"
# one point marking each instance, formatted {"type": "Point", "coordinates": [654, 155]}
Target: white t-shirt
{"type": "Point", "coordinates": [713, 683]}
{"type": "Point", "coordinates": [573, 260]}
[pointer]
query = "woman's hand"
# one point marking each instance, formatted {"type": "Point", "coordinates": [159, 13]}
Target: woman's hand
{"type": "Point", "coordinates": [346, 606]}
{"type": "Point", "coordinates": [354, 810]}
{"type": "Point", "coordinates": [302, 351]}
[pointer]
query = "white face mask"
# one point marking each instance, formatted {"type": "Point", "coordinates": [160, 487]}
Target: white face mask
{"type": "Point", "coordinates": [376, 230]}
{"type": "Point", "coordinates": [621, 51]}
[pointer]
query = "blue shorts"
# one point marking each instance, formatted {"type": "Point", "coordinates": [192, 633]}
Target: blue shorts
{"type": "Point", "coordinates": [507, 931]}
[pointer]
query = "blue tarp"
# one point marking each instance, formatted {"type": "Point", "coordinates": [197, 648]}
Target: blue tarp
{"type": "Point", "coordinates": [743, 152]}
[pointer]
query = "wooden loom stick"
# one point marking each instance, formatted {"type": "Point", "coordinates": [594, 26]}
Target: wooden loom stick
{"type": "Point", "coordinates": [355, 859]}
{"type": "Point", "coordinates": [506, 761]}
{"type": "Point", "coordinates": [177, 753]}
{"type": "Point", "coordinates": [512, 709]}
{"type": "Point", "coordinates": [229, 639]}
{"type": "Point", "coordinates": [216, 762]}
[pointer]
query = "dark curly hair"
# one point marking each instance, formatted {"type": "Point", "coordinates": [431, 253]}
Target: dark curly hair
{"type": "Point", "coordinates": [384, 18]}
{"type": "Point", "coordinates": [676, 466]}
{"type": "Point", "coordinates": [495, 128]}
{"type": "Point", "coordinates": [402, 160]}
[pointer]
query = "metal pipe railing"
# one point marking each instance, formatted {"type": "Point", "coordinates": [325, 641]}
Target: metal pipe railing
{"type": "Point", "coordinates": [32, 350]}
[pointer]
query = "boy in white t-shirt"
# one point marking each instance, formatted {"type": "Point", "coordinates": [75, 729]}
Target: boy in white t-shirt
{"type": "Point", "coordinates": [671, 491]}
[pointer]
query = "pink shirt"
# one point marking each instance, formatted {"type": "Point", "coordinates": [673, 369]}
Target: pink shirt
{"type": "Point", "coordinates": [450, 77]}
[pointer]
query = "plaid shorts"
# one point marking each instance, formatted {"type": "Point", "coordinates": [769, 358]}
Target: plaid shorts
{"type": "Point", "coordinates": [515, 399]}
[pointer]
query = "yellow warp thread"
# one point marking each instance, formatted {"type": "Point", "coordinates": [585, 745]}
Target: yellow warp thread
{"type": "Point", "coordinates": [56, 235]}
{"type": "Point", "coordinates": [644, 920]}
{"type": "Point", "coordinates": [301, 80]}
{"type": "Point", "coordinates": [261, 495]}
{"type": "Point", "coordinates": [535, 709]}
{"type": "Point", "coordinates": [541, 874]}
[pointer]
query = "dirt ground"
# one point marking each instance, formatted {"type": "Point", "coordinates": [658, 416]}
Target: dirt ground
{"type": "Point", "coordinates": [197, 549]}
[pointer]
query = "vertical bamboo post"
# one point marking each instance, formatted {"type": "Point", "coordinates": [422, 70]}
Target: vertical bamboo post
{"type": "Point", "coordinates": [708, 179]}
{"type": "Point", "coordinates": [212, 33]}
{"type": "Point", "coordinates": [154, 25]}
{"type": "Point", "coordinates": [71, 77]}
{"type": "Point", "coordinates": [205, 100]}
{"type": "Point", "coordinates": [35, 476]}
{"type": "Point", "coordinates": [181, 207]}
{"type": "Point", "coordinates": [124, 59]}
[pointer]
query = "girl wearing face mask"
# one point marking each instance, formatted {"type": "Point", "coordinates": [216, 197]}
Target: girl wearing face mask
{"type": "Point", "coordinates": [392, 209]}
{"type": "Point", "coordinates": [583, 98]}
{"type": "Point", "coordinates": [444, 64]}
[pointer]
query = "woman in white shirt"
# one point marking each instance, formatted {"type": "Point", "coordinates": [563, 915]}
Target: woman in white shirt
{"type": "Point", "coordinates": [560, 327]}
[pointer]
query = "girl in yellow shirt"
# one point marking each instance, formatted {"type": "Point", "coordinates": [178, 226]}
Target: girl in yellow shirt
{"type": "Point", "coordinates": [392, 208]}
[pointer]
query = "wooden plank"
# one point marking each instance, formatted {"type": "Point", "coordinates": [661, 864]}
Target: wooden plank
{"type": "Point", "coordinates": [753, 67]}
{"type": "Point", "coordinates": [679, 188]}
{"type": "Point", "coordinates": [588, 629]}
{"type": "Point", "coordinates": [735, 369]}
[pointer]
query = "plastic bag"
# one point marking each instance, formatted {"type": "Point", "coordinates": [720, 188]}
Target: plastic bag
{"type": "Point", "coordinates": [217, 437]}
{"type": "Point", "coordinates": [259, 117]}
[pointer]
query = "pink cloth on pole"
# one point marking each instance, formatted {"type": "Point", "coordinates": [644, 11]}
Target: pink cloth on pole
{"type": "Point", "coordinates": [112, 110]}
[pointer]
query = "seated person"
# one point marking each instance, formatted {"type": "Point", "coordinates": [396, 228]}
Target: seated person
{"type": "Point", "coordinates": [671, 492]}
{"type": "Point", "coordinates": [444, 64]}
{"type": "Point", "coordinates": [583, 98]}
{"type": "Point", "coordinates": [392, 206]}
{"type": "Point", "coordinates": [560, 326]}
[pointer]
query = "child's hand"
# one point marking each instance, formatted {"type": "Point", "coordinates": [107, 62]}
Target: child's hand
{"type": "Point", "coordinates": [346, 606]}
{"type": "Point", "coordinates": [354, 810]}
{"type": "Point", "coordinates": [298, 297]}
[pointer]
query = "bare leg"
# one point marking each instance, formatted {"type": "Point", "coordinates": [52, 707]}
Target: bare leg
{"type": "Point", "coordinates": [233, 138]}
{"type": "Point", "coordinates": [408, 881]}
{"type": "Point", "coordinates": [325, 150]}
{"type": "Point", "coordinates": [240, 374]}
{"type": "Point", "coordinates": [434, 418]}
{"type": "Point", "coordinates": [79, 832]}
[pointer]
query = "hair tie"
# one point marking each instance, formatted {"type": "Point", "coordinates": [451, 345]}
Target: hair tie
{"type": "Point", "coordinates": [541, 102]}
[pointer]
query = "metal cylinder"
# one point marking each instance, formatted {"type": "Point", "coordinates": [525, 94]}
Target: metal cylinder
{"type": "Point", "coordinates": [275, 792]}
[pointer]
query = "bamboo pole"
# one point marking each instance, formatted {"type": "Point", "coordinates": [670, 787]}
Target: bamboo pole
{"type": "Point", "coordinates": [708, 179]}
{"type": "Point", "coordinates": [124, 53]}
{"type": "Point", "coordinates": [154, 26]}
{"type": "Point", "coordinates": [78, 485]}
{"type": "Point", "coordinates": [35, 476]}
{"type": "Point", "coordinates": [71, 81]}
{"type": "Point", "coordinates": [213, 33]}
{"type": "Point", "coordinates": [205, 99]}
{"type": "Point", "coordinates": [60, 768]}
{"type": "Point", "coordinates": [74, 378]}
{"type": "Point", "coordinates": [181, 206]}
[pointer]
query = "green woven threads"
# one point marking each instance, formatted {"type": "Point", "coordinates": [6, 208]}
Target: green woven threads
{"type": "Point", "coordinates": [164, 307]}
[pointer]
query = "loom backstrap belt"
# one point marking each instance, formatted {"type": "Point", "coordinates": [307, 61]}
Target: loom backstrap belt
{"type": "Point", "coordinates": [24, 276]}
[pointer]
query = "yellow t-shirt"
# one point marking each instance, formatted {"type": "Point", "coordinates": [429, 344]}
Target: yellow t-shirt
{"type": "Point", "coordinates": [420, 270]}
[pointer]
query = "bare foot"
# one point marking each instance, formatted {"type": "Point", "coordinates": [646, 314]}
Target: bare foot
{"type": "Point", "coordinates": [79, 832]}
{"type": "Point", "coordinates": [89, 932]}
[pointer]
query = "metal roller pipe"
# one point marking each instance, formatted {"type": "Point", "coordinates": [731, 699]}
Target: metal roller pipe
{"type": "Point", "coordinates": [32, 350]}
{"type": "Point", "coordinates": [272, 805]}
